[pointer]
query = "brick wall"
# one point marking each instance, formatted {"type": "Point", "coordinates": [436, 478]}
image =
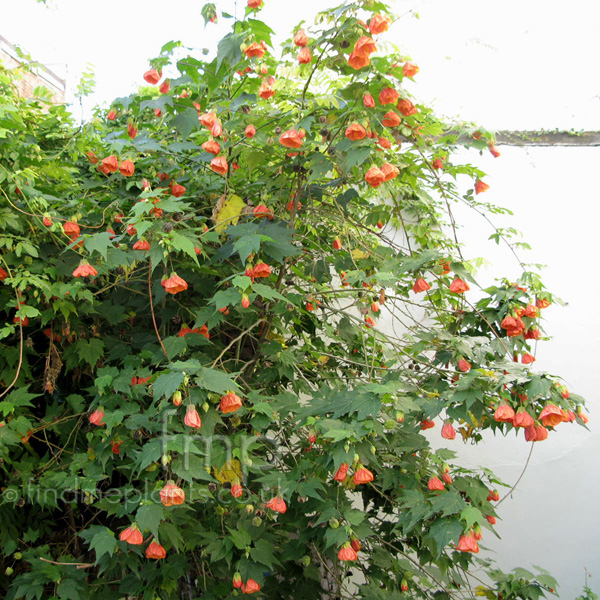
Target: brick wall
{"type": "Point", "coordinates": [36, 76]}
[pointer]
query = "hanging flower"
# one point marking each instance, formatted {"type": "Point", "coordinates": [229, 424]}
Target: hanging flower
{"type": "Point", "coordinates": [110, 164]}
{"type": "Point", "coordinates": [219, 165]}
{"type": "Point", "coordinates": [192, 418]}
{"type": "Point", "coordinates": [468, 543]}
{"type": "Point", "coordinates": [301, 39]}
{"type": "Point", "coordinates": [391, 119]}
{"type": "Point", "coordinates": [251, 587]}
{"type": "Point", "coordinates": [237, 490]}
{"type": "Point", "coordinates": [388, 96]}
{"type": "Point", "coordinates": [347, 553]}
{"type": "Point", "coordinates": [355, 131]}
{"type": "Point", "coordinates": [208, 119]}
{"type": "Point", "coordinates": [390, 171]}
{"type": "Point", "coordinates": [152, 76]}
{"type": "Point", "coordinates": [409, 69]}
{"type": "Point", "coordinates": [523, 419]}
{"type": "Point", "coordinates": [527, 358]}
{"type": "Point", "coordinates": [175, 284]}
{"type": "Point", "coordinates": [435, 484]}
{"type": "Point", "coordinates": [551, 415]}
{"type": "Point", "coordinates": [261, 211]}
{"type": "Point", "coordinates": [406, 107]}
{"type": "Point", "coordinates": [342, 472]}
{"type": "Point", "coordinates": [362, 475]}
{"type": "Point", "coordinates": [304, 56]}
{"type": "Point", "coordinates": [420, 286]}
{"type": "Point", "coordinates": [277, 504]}
{"type": "Point", "coordinates": [230, 402]}
{"type": "Point", "coordinates": [266, 89]}
{"type": "Point", "coordinates": [112, 115]}
{"type": "Point", "coordinates": [85, 270]}
{"type": "Point", "coordinates": [448, 431]}
{"type": "Point", "coordinates": [504, 413]}
{"type": "Point", "coordinates": [374, 177]}
{"type": "Point", "coordinates": [212, 147]}
{"type": "Point", "coordinates": [291, 139]}
{"type": "Point", "coordinates": [172, 495]}
{"type": "Point", "coordinates": [127, 168]}
{"type": "Point", "coordinates": [250, 131]}
{"type": "Point", "coordinates": [481, 186]}
{"type": "Point", "coordinates": [164, 87]}
{"type": "Point", "coordinates": [96, 418]}
{"type": "Point", "coordinates": [141, 245]}
{"type": "Point", "coordinates": [237, 580]}
{"type": "Point", "coordinates": [368, 101]}
{"type": "Point", "coordinates": [256, 50]}
{"type": "Point", "coordinates": [177, 190]}
{"type": "Point", "coordinates": [155, 551]}
{"type": "Point", "coordinates": [132, 535]}
{"type": "Point", "coordinates": [464, 366]}
{"type": "Point", "coordinates": [261, 270]}
{"type": "Point", "coordinates": [378, 24]}
{"type": "Point", "coordinates": [458, 286]}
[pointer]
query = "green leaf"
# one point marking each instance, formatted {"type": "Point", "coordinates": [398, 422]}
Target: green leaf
{"type": "Point", "coordinates": [186, 121]}
{"type": "Point", "coordinates": [184, 244]}
{"type": "Point", "coordinates": [246, 245]}
{"type": "Point", "coordinates": [262, 553]}
{"type": "Point", "coordinates": [215, 381]}
{"type": "Point", "coordinates": [171, 532]}
{"type": "Point", "coordinates": [69, 589]}
{"type": "Point", "coordinates": [443, 532]}
{"type": "Point", "coordinates": [229, 50]}
{"type": "Point", "coordinates": [471, 515]}
{"type": "Point", "coordinates": [166, 384]}
{"type": "Point", "coordinates": [148, 518]}
{"type": "Point", "coordinates": [90, 350]}
{"type": "Point", "coordinates": [448, 503]}
{"type": "Point", "coordinates": [240, 538]}
{"type": "Point", "coordinates": [100, 539]}
{"type": "Point", "coordinates": [98, 242]}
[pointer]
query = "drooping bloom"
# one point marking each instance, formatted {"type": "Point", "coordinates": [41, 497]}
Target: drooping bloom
{"type": "Point", "coordinates": [421, 286]}
{"type": "Point", "coordinates": [172, 495]}
{"type": "Point", "coordinates": [527, 358]}
{"type": "Point", "coordinates": [256, 50]}
{"type": "Point", "coordinates": [96, 418]}
{"type": "Point", "coordinates": [192, 418]}
{"type": "Point", "coordinates": [391, 119]}
{"type": "Point", "coordinates": [406, 107]}
{"type": "Point", "coordinates": [175, 284]}
{"type": "Point", "coordinates": [362, 475]}
{"type": "Point", "coordinates": [347, 553]}
{"type": "Point", "coordinates": [378, 24]}
{"type": "Point", "coordinates": [291, 139]}
{"type": "Point", "coordinates": [342, 472]}
{"type": "Point", "coordinates": [152, 76]}
{"type": "Point", "coordinates": [468, 543]}
{"type": "Point", "coordinates": [208, 119]}
{"type": "Point", "coordinates": [388, 96]}
{"type": "Point", "coordinates": [112, 115]}
{"type": "Point", "coordinates": [523, 419]}
{"type": "Point", "coordinates": [464, 365]}
{"type": "Point", "coordinates": [261, 211]}
{"type": "Point", "coordinates": [301, 39]}
{"type": "Point", "coordinates": [237, 490]}
{"type": "Point", "coordinates": [261, 270]}
{"type": "Point", "coordinates": [355, 131]}
{"type": "Point", "coordinates": [277, 504]}
{"type": "Point", "coordinates": [237, 578]}
{"type": "Point", "coordinates": [504, 413]}
{"type": "Point", "coordinates": [164, 87]}
{"type": "Point", "coordinates": [374, 177]}
{"type": "Point", "coordinates": [250, 587]}
{"type": "Point", "coordinates": [250, 131]}
{"type": "Point", "coordinates": [132, 535]}
{"type": "Point", "coordinates": [141, 245]}
{"type": "Point", "coordinates": [435, 484]}
{"type": "Point", "coordinates": [409, 69]}
{"type": "Point", "coordinates": [47, 221]}
{"type": "Point", "coordinates": [448, 431]}
{"type": "Point", "coordinates": [85, 270]}
{"type": "Point", "coordinates": [212, 147]}
{"type": "Point", "coordinates": [551, 415]}
{"type": "Point", "coordinates": [230, 402]}
{"type": "Point", "coordinates": [127, 168]}
{"type": "Point", "coordinates": [266, 89]}
{"type": "Point", "coordinates": [390, 171]}
{"type": "Point", "coordinates": [177, 189]}
{"type": "Point", "coordinates": [368, 101]}
{"type": "Point", "coordinates": [438, 163]}
{"type": "Point", "coordinates": [458, 286]}
{"type": "Point", "coordinates": [219, 165]}
{"type": "Point", "coordinates": [364, 47]}
{"type": "Point", "coordinates": [304, 56]}
{"type": "Point", "coordinates": [494, 151]}
{"type": "Point", "coordinates": [155, 551]}
{"type": "Point", "coordinates": [481, 186]}
{"type": "Point", "coordinates": [255, 3]}
{"type": "Point", "coordinates": [427, 424]}
{"type": "Point", "coordinates": [110, 164]}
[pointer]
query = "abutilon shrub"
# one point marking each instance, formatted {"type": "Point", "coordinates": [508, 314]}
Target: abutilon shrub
{"type": "Point", "coordinates": [216, 373]}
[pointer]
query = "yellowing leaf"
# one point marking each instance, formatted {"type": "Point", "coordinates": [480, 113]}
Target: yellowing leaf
{"type": "Point", "coordinates": [358, 254]}
{"type": "Point", "coordinates": [230, 472]}
{"type": "Point", "coordinates": [227, 211]}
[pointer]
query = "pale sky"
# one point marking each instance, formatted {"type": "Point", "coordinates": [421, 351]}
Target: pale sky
{"type": "Point", "coordinates": [519, 64]}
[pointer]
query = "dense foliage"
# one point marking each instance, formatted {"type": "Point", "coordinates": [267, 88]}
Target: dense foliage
{"type": "Point", "coordinates": [230, 307]}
